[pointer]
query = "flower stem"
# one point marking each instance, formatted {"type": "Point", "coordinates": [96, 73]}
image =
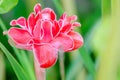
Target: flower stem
{"type": "Point", "coordinates": [39, 72]}
{"type": "Point", "coordinates": [61, 63]}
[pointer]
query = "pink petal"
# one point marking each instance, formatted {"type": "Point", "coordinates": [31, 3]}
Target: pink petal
{"type": "Point", "coordinates": [28, 47]}
{"type": "Point", "coordinates": [66, 28]}
{"type": "Point", "coordinates": [63, 41]}
{"type": "Point", "coordinates": [46, 55]}
{"type": "Point", "coordinates": [74, 17]}
{"type": "Point", "coordinates": [76, 24]}
{"type": "Point", "coordinates": [19, 36]}
{"type": "Point", "coordinates": [64, 15]}
{"type": "Point", "coordinates": [37, 8]}
{"type": "Point", "coordinates": [20, 21]}
{"type": "Point", "coordinates": [48, 14]}
{"type": "Point", "coordinates": [53, 16]}
{"type": "Point", "coordinates": [55, 28]}
{"type": "Point", "coordinates": [25, 47]}
{"type": "Point", "coordinates": [77, 38]}
{"type": "Point", "coordinates": [61, 22]}
{"type": "Point", "coordinates": [37, 16]}
{"type": "Point", "coordinates": [13, 23]}
{"type": "Point", "coordinates": [38, 31]}
{"type": "Point", "coordinates": [31, 22]}
{"type": "Point", "coordinates": [47, 29]}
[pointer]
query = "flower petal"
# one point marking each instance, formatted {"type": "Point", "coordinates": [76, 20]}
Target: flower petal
{"type": "Point", "coordinates": [63, 41]}
{"type": "Point", "coordinates": [37, 16]}
{"type": "Point", "coordinates": [37, 8]}
{"type": "Point", "coordinates": [61, 23]}
{"type": "Point", "coordinates": [20, 21]}
{"type": "Point", "coordinates": [77, 38]}
{"type": "Point", "coordinates": [66, 28]}
{"type": "Point", "coordinates": [19, 36]}
{"type": "Point", "coordinates": [64, 15]}
{"type": "Point", "coordinates": [38, 31]}
{"type": "Point", "coordinates": [26, 47]}
{"type": "Point", "coordinates": [53, 16]}
{"type": "Point", "coordinates": [48, 14]}
{"type": "Point", "coordinates": [31, 22]}
{"type": "Point", "coordinates": [72, 18]}
{"type": "Point", "coordinates": [47, 29]}
{"type": "Point", "coordinates": [55, 28]}
{"type": "Point", "coordinates": [76, 24]}
{"type": "Point", "coordinates": [46, 55]}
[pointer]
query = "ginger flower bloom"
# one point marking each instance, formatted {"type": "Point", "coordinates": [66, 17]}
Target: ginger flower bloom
{"type": "Point", "coordinates": [43, 34]}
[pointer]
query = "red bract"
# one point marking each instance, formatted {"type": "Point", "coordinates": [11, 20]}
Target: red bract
{"type": "Point", "coordinates": [45, 35]}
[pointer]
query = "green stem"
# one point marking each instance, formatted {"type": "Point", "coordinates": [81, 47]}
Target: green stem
{"type": "Point", "coordinates": [61, 63]}
{"type": "Point", "coordinates": [40, 72]}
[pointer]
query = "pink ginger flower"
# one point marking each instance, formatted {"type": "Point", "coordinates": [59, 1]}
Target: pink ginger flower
{"type": "Point", "coordinates": [45, 35]}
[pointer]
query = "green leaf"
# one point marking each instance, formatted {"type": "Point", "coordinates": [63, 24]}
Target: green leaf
{"type": "Point", "coordinates": [58, 6]}
{"type": "Point", "coordinates": [22, 57]}
{"type": "Point", "coordinates": [2, 67]}
{"type": "Point", "coordinates": [21, 75]}
{"type": "Point", "coordinates": [2, 25]}
{"type": "Point", "coordinates": [74, 68]}
{"type": "Point", "coordinates": [25, 62]}
{"type": "Point", "coordinates": [7, 5]}
{"type": "Point", "coordinates": [87, 60]}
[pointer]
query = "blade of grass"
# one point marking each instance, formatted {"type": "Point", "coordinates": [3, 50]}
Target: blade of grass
{"type": "Point", "coordinates": [87, 61]}
{"type": "Point", "coordinates": [21, 75]}
{"type": "Point", "coordinates": [76, 65]}
{"type": "Point", "coordinates": [58, 6]}
{"type": "Point", "coordinates": [21, 57]}
{"type": "Point", "coordinates": [2, 25]}
{"type": "Point", "coordinates": [74, 68]}
{"type": "Point", "coordinates": [2, 67]}
{"type": "Point", "coordinates": [27, 64]}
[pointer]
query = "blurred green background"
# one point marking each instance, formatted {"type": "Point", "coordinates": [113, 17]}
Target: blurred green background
{"type": "Point", "coordinates": [98, 59]}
